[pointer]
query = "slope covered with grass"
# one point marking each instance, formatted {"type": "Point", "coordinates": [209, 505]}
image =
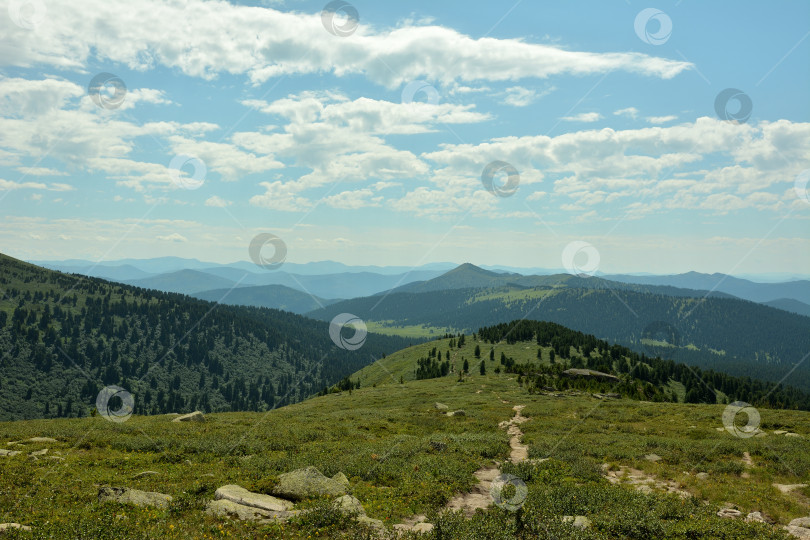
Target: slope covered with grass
{"type": "Point", "coordinates": [404, 457]}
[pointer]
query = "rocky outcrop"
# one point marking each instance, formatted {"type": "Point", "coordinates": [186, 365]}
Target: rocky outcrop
{"type": "Point", "coordinates": [134, 497]}
{"type": "Point", "coordinates": [196, 416]}
{"type": "Point", "coordinates": [576, 373]}
{"type": "Point", "coordinates": [309, 482]}
{"type": "Point", "coordinates": [9, 526]}
{"type": "Point", "coordinates": [230, 509]}
{"type": "Point", "coordinates": [240, 495]}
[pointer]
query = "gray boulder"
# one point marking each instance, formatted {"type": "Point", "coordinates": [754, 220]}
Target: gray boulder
{"type": "Point", "coordinates": [580, 522]}
{"type": "Point", "coordinates": [196, 416]}
{"type": "Point", "coordinates": [457, 413]}
{"type": "Point", "coordinates": [801, 522]}
{"type": "Point", "coordinates": [230, 509]}
{"type": "Point", "coordinates": [241, 496]}
{"type": "Point", "coordinates": [440, 406]}
{"type": "Point", "coordinates": [342, 480]}
{"type": "Point", "coordinates": [134, 497]}
{"type": "Point", "coordinates": [309, 482]}
{"type": "Point", "coordinates": [350, 505]}
{"type": "Point", "coordinates": [730, 513]}
{"type": "Point", "coordinates": [8, 526]}
{"type": "Point", "coordinates": [9, 453]}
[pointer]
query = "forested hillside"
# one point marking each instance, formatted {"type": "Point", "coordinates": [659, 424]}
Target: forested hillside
{"type": "Point", "coordinates": [642, 377]}
{"type": "Point", "coordinates": [64, 337]}
{"type": "Point", "coordinates": [729, 335]}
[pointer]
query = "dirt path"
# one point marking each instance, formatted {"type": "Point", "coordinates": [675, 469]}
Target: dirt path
{"type": "Point", "coordinates": [480, 496]}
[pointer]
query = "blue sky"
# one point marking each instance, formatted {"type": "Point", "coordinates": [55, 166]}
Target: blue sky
{"type": "Point", "coordinates": [313, 136]}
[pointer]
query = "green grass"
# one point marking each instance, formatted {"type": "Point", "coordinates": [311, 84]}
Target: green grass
{"type": "Point", "coordinates": [380, 438]}
{"type": "Point", "coordinates": [391, 328]}
{"type": "Point", "coordinates": [403, 363]}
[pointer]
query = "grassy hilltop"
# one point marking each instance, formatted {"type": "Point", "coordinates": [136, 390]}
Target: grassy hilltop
{"type": "Point", "coordinates": [380, 437]}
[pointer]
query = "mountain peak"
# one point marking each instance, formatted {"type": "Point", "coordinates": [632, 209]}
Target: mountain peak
{"type": "Point", "coordinates": [472, 269]}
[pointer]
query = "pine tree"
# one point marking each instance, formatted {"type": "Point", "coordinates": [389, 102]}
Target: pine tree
{"type": "Point", "coordinates": [483, 369]}
{"type": "Point", "coordinates": [477, 351]}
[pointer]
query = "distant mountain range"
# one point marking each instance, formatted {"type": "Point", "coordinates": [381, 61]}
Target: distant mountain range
{"type": "Point", "coordinates": [741, 288]}
{"type": "Point", "coordinates": [709, 329]}
{"type": "Point", "coordinates": [329, 280]}
{"type": "Point", "coordinates": [276, 296]}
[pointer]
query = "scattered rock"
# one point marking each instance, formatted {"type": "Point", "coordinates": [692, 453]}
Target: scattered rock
{"type": "Point", "coordinates": [342, 480]}
{"type": "Point", "coordinates": [576, 373]}
{"type": "Point", "coordinates": [801, 522]}
{"type": "Point", "coordinates": [440, 406]}
{"type": "Point", "coordinates": [610, 395]}
{"type": "Point", "coordinates": [309, 482]}
{"type": "Point", "coordinates": [581, 522]}
{"type": "Point", "coordinates": [226, 508]}
{"type": "Point", "coordinates": [459, 412]}
{"type": "Point", "coordinates": [196, 416]}
{"type": "Point", "coordinates": [702, 476]}
{"type": "Point", "coordinates": [720, 428]}
{"type": "Point", "coordinates": [243, 497]}
{"type": "Point", "coordinates": [41, 440]}
{"type": "Point", "coordinates": [755, 517]}
{"type": "Point", "coordinates": [375, 523]}
{"type": "Point", "coordinates": [779, 432]}
{"type": "Point", "coordinates": [350, 505]}
{"type": "Point", "coordinates": [145, 473]}
{"type": "Point", "coordinates": [787, 488]}
{"type": "Point", "coordinates": [653, 457]}
{"type": "Point", "coordinates": [793, 435]}
{"type": "Point", "coordinates": [8, 526]}
{"type": "Point", "coordinates": [798, 532]}
{"type": "Point", "coordinates": [133, 496]}
{"type": "Point", "coordinates": [729, 513]}
{"type": "Point", "coordinates": [39, 452]}
{"type": "Point", "coordinates": [9, 453]}
{"type": "Point", "coordinates": [422, 528]}
{"type": "Point", "coordinates": [55, 458]}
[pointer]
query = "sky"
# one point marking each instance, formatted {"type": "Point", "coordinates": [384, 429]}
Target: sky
{"type": "Point", "coordinates": [599, 136]}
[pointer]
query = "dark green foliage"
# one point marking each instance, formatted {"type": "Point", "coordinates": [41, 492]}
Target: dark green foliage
{"type": "Point", "coordinates": [641, 377]}
{"type": "Point", "coordinates": [64, 337]}
{"type": "Point", "coordinates": [430, 368]}
{"type": "Point", "coordinates": [725, 334]}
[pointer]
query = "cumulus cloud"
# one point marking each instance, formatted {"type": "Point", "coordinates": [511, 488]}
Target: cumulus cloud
{"type": "Point", "coordinates": [630, 112]}
{"type": "Point", "coordinates": [583, 117]}
{"type": "Point", "coordinates": [709, 164]}
{"type": "Point", "coordinates": [217, 202]}
{"type": "Point", "coordinates": [188, 36]}
{"type": "Point", "coordinates": [174, 237]}
{"type": "Point", "coordinates": [661, 119]}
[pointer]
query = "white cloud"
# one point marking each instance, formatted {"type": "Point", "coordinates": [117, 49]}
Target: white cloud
{"type": "Point", "coordinates": [661, 119]}
{"type": "Point", "coordinates": [174, 237]}
{"type": "Point", "coordinates": [632, 112]}
{"type": "Point", "coordinates": [8, 185]}
{"type": "Point", "coordinates": [351, 200]}
{"type": "Point", "coordinates": [583, 117]}
{"type": "Point", "coordinates": [709, 164]}
{"type": "Point", "coordinates": [217, 202]}
{"type": "Point", "coordinates": [189, 35]}
{"type": "Point", "coordinates": [518, 96]}
{"type": "Point", "coordinates": [40, 171]}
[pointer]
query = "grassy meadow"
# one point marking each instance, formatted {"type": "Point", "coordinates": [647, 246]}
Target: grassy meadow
{"type": "Point", "coordinates": [380, 437]}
